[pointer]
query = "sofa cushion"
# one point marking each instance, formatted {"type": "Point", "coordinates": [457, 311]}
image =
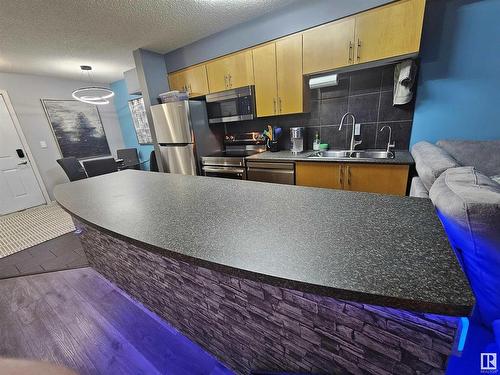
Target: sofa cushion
{"type": "Point", "coordinates": [431, 161]}
{"type": "Point", "coordinates": [468, 203]}
{"type": "Point", "coordinates": [417, 188]}
{"type": "Point", "coordinates": [484, 155]}
{"type": "Point", "coordinates": [496, 178]}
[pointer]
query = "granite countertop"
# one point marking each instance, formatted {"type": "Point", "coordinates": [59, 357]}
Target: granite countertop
{"type": "Point", "coordinates": [400, 157]}
{"type": "Point", "coordinates": [378, 249]}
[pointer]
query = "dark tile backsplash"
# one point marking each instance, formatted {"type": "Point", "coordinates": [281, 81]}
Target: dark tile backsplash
{"type": "Point", "coordinates": [366, 93]}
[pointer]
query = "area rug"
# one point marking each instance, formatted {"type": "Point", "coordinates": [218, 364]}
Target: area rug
{"type": "Point", "coordinates": [24, 229]}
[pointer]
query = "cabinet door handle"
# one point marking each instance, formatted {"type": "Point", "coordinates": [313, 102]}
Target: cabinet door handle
{"type": "Point", "coordinates": [350, 51]}
{"type": "Point", "coordinates": [225, 81]}
{"type": "Point", "coordinates": [274, 104]}
{"type": "Point", "coordinates": [230, 83]}
{"type": "Point", "coordinates": [358, 49]}
{"type": "Point", "coordinates": [341, 176]}
{"type": "Point", "coordinates": [190, 91]}
{"type": "Point", "coordinates": [281, 108]}
{"type": "Point", "coordinates": [348, 176]}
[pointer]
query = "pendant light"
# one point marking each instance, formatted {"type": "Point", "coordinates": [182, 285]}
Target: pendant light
{"type": "Point", "coordinates": [92, 94]}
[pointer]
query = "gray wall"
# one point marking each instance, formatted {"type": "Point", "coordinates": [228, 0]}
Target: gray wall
{"type": "Point", "coordinates": [152, 76]}
{"type": "Point", "coordinates": [299, 16]}
{"type": "Point", "coordinates": [25, 92]}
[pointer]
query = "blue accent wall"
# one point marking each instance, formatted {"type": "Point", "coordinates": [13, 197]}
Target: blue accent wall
{"type": "Point", "coordinates": [458, 94]}
{"type": "Point", "coordinates": [121, 99]}
{"type": "Point", "coordinates": [290, 19]}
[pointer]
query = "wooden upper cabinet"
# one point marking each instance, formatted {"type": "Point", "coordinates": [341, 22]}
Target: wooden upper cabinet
{"type": "Point", "coordinates": [388, 31]}
{"type": "Point", "coordinates": [330, 46]}
{"type": "Point", "coordinates": [266, 87]}
{"type": "Point", "coordinates": [289, 75]}
{"type": "Point", "coordinates": [193, 80]}
{"type": "Point", "coordinates": [197, 82]}
{"type": "Point", "coordinates": [230, 72]}
{"type": "Point", "coordinates": [279, 85]}
{"type": "Point", "coordinates": [177, 81]}
{"type": "Point", "coordinates": [376, 178]}
{"type": "Point", "coordinates": [318, 174]}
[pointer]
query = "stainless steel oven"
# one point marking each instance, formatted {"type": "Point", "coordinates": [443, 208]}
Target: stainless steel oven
{"type": "Point", "coordinates": [235, 173]}
{"type": "Point", "coordinates": [231, 105]}
{"type": "Point", "coordinates": [230, 163]}
{"type": "Point", "coordinates": [224, 165]}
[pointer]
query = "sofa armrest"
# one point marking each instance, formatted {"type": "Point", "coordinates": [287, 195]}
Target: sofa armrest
{"type": "Point", "coordinates": [431, 161]}
{"type": "Point", "coordinates": [417, 188]}
{"type": "Point", "coordinates": [468, 204]}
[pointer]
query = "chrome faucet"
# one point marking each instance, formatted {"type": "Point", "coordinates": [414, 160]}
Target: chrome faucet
{"type": "Point", "coordinates": [354, 143]}
{"type": "Point", "coordinates": [389, 144]}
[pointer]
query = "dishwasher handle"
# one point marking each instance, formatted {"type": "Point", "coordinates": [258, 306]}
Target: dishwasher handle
{"type": "Point", "coordinates": [269, 165]}
{"type": "Point", "coordinates": [268, 170]}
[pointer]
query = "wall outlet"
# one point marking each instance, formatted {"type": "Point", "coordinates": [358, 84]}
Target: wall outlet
{"type": "Point", "coordinates": [43, 144]}
{"type": "Point", "coordinates": [357, 129]}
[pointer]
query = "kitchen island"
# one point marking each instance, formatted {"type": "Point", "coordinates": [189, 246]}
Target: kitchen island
{"type": "Point", "coordinates": [275, 277]}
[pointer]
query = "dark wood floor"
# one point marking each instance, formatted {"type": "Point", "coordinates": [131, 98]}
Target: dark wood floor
{"type": "Point", "coordinates": [78, 319]}
{"type": "Point", "coordinates": [64, 252]}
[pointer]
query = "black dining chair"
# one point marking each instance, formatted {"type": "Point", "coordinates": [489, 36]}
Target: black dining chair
{"type": "Point", "coordinates": [72, 167]}
{"type": "Point", "coordinates": [98, 167]}
{"type": "Point", "coordinates": [153, 164]}
{"type": "Point", "coordinates": [129, 157]}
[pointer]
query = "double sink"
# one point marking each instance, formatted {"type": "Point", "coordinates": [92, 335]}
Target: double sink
{"type": "Point", "coordinates": [347, 154]}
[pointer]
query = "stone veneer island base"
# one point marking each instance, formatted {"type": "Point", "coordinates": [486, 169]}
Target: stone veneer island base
{"type": "Point", "coordinates": [255, 326]}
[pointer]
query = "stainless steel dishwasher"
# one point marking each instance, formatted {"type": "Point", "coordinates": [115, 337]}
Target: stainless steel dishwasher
{"type": "Point", "coordinates": [276, 172]}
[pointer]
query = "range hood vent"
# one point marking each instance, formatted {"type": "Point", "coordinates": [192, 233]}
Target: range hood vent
{"type": "Point", "coordinates": [323, 81]}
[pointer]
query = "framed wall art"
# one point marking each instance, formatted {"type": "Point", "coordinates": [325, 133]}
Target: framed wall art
{"type": "Point", "coordinates": [77, 128]}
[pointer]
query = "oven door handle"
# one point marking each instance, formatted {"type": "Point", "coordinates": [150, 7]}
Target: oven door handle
{"type": "Point", "coordinates": [223, 169]}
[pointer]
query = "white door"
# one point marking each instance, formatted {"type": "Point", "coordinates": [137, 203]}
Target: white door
{"type": "Point", "coordinates": [19, 187]}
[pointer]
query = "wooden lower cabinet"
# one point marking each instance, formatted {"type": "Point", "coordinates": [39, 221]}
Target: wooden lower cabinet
{"type": "Point", "coordinates": [376, 178]}
{"type": "Point", "coordinates": [318, 174]}
{"type": "Point", "coordinates": [373, 178]}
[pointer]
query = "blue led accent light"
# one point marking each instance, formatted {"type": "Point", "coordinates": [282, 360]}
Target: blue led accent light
{"type": "Point", "coordinates": [463, 328]}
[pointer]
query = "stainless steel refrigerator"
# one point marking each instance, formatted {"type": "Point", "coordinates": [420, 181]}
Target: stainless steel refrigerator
{"type": "Point", "coordinates": [184, 135]}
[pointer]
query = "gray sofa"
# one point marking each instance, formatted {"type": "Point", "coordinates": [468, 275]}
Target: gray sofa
{"type": "Point", "coordinates": [432, 160]}
{"type": "Point", "coordinates": [460, 177]}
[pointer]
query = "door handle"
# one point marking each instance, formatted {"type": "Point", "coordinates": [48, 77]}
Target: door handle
{"type": "Point", "coordinates": [22, 163]}
{"type": "Point", "coordinates": [349, 176]}
{"type": "Point", "coordinates": [274, 103]}
{"type": "Point", "coordinates": [350, 51]}
{"type": "Point", "coordinates": [225, 81]}
{"type": "Point", "coordinates": [230, 83]}
{"type": "Point", "coordinates": [358, 49]}
{"type": "Point", "coordinates": [341, 175]}
{"type": "Point", "coordinates": [281, 109]}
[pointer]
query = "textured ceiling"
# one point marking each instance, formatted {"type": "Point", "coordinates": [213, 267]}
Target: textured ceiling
{"type": "Point", "coordinates": [55, 37]}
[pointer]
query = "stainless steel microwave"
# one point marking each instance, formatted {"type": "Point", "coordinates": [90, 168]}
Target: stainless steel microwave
{"type": "Point", "coordinates": [231, 105]}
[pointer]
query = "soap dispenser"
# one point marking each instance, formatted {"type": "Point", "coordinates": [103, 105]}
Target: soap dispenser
{"type": "Point", "coordinates": [316, 142]}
